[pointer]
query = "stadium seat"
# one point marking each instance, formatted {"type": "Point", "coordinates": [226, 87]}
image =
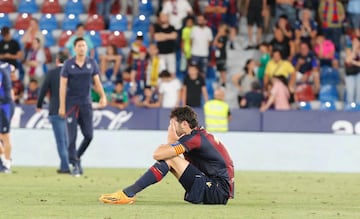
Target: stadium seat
{"type": "Point", "coordinates": [70, 22]}
{"type": "Point", "coordinates": [64, 37]}
{"type": "Point", "coordinates": [329, 75]}
{"type": "Point", "coordinates": [141, 23]}
{"type": "Point", "coordinates": [49, 38]}
{"type": "Point", "coordinates": [118, 39]}
{"type": "Point", "coordinates": [22, 21]}
{"type": "Point", "coordinates": [5, 20]}
{"type": "Point", "coordinates": [7, 6]}
{"type": "Point", "coordinates": [327, 106]}
{"type": "Point", "coordinates": [118, 23]}
{"type": "Point", "coordinates": [304, 92]}
{"type": "Point", "coordinates": [145, 7]}
{"type": "Point", "coordinates": [95, 22]}
{"type": "Point", "coordinates": [51, 7]}
{"type": "Point", "coordinates": [17, 35]}
{"type": "Point", "coordinates": [328, 93]}
{"type": "Point", "coordinates": [48, 22]}
{"type": "Point", "coordinates": [146, 40]}
{"type": "Point", "coordinates": [74, 7]}
{"type": "Point", "coordinates": [306, 106]}
{"type": "Point", "coordinates": [352, 106]}
{"type": "Point", "coordinates": [28, 6]}
{"type": "Point", "coordinates": [104, 38]}
{"type": "Point", "coordinates": [95, 38]}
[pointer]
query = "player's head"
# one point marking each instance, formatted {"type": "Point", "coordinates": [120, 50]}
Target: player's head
{"type": "Point", "coordinates": [184, 116]}
{"type": "Point", "coordinates": [80, 46]}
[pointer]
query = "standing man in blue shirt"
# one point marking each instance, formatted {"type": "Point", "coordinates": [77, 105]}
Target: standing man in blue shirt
{"type": "Point", "coordinates": [52, 84]}
{"type": "Point", "coordinates": [6, 111]}
{"type": "Point", "coordinates": [77, 76]}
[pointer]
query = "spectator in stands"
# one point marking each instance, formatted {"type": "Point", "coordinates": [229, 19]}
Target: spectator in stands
{"type": "Point", "coordinates": [194, 87]}
{"type": "Point", "coordinates": [332, 15]}
{"type": "Point", "coordinates": [169, 90]}
{"type": "Point", "coordinates": [134, 7]}
{"type": "Point", "coordinates": [34, 63]}
{"type": "Point", "coordinates": [177, 10]}
{"type": "Point", "coordinates": [10, 50]}
{"type": "Point", "coordinates": [254, 98]}
{"type": "Point", "coordinates": [352, 68]}
{"type": "Point", "coordinates": [283, 44]}
{"type": "Point", "coordinates": [264, 59]}
{"type": "Point", "coordinates": [165, 36]}
{"type": "Point", "coordinates": [201, 38]}
{"type": "Point", "coordinates": [30, 34]}
{"type": "Point", "coordinates": [286, 7]}
{"type": "Point", "coordinates": [103, 8]}
{"type": "Point", "coordinates": [217, 112]}
{"type": "Point", "coordinates": [17, 86]}
{"type": "Point", "coordinates": [32, 92]}
{"type": "Point", "coordinates": [138, 73]}
{"type": "Point", "coordinates": [353, 9]}
{"type": "Point", "coordinates": [150, 99]}
{"type": "Point", "coordinates": [119, 97]}
{"type": "Point", "coordinates": [215, 13]}
{"type": "Point", "coordinates": [135, 47]}
{"type": "Point", "coordinates": [306, 66]}
{"type": "Point", "coordinates": [110, 64]}
{"type": "Point", "coordinates": [285, 27]}
{"type": "Point", "coordinates": [325, 51]}
{"type": "Point", "coordinates": [154, 67]}
{"type": "Point", "coordinates": [232, 21]}
{"type": "Point", "coordinates": [279, 95]}
{"type": "Point", "coordinates": [243, 80]}
{"type": "Point", "coordinates": [219, 44]}
{"type": "Point", "coordinates": [306, 29]}
{"type": "Point", "coordinates": [186, 37]}
{"type": "Point", "coordinates": [255, 12]}
{"type": "Point", "coordinates": [277, 66]}
{"type": "Point", "coordinates": [80, 32]}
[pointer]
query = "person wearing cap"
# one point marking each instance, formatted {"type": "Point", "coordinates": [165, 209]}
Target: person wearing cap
{"type": "Point", "coordinates": [10, 50]}
{"type": "Point", "coordinates": [51, 85]}
{"type": "Point", "coordinates": [217, 112]}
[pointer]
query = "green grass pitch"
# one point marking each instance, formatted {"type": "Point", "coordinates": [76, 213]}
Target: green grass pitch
{"type": "Point", "coordinates": [41, 193]}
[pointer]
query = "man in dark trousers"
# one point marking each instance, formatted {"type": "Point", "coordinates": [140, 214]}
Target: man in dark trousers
{"type": "Point", "coordinates": [51, 84]}
{"type": "Point", "coordinates": [77, 77]}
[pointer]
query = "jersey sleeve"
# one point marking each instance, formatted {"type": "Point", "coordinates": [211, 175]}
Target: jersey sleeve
{"type": "Point", "coordinates": [64, 72]}
{"type": "Point", "coordinates": [190, 142]}
{"type": "Point", "coordinates": [96, 69]}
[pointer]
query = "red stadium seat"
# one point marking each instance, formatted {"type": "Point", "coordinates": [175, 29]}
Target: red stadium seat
{"type": "Point", "coordinates": [51, 7]}
{"type": "Point", "coordinates": [64, 37]}
{"type": "Point", "coordinates": [304, 92]}
{"type": "Point", "coordinates": [22, 21]}
{"type": "Point", "coordinates": [95, 22]}
{"type": "Point", "coordinates": [118, 39]}
{"type": "Point", "coordinates": [104, 38]}
{"type": "Point", "coordinates": [7, 6]}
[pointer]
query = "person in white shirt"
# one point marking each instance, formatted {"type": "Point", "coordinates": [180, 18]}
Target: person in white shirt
{"type": "Point", "coordinates": [177, 10]}
{"type": "Point", "coordinates": [201, 37]}
{"type": "Point", "coordinates": [169, 90]}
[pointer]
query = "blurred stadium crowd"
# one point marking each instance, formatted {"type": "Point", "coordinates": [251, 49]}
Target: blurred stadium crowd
{"type": "Point", "coordinates": [302, 54]}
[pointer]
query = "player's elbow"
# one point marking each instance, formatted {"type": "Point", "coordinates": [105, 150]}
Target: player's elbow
{"type": "Point", "coordinates": [157, 155]}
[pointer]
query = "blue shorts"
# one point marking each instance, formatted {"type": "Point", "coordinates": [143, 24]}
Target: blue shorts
{"type": "Point", "coordinates": [6, 111]}
{"type": "Point", "coordinates": [354, 20]}
{"type": "Point", "coordinates": [200, 188]}
{"type": "Point", "coordinates": [231, 20]}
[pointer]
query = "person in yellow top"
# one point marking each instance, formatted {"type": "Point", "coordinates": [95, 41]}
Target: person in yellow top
{"type": "Point", "coordinates": [279, 67]}
{"type": "Point", "coordinates": [217, 112]}
{"type": "Point", "coordinates": [186, 37]}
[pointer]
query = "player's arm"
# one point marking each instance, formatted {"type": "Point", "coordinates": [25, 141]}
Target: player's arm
{"type": "Point", "coordinates": [168, 151]}
{"type": "Point", "coordinates": [100, 90]}
{"type": "Point", "coordinates": [62, 95]}
{"type": "Point", "coordinates": [43, 90]}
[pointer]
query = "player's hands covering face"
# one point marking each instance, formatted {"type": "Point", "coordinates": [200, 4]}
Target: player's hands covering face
{"type": "Point", "coordinates": [172, 135]}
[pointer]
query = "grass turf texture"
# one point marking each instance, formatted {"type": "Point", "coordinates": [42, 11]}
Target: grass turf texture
{"type": "Point", "coordinates": [41, 193]}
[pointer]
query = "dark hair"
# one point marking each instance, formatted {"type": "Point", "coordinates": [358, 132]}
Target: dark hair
{"type": "Point", "coordinates": [165, 74]}
{"type": "Point", "coordinates": [255, 85]}
{"type": "Point", "coordinates": [79, 25]}
{"type": "Point", "coordinates": [62, 56]}
{"type": "Point", "coordinates": [277, 50]}
{"type": "Point", "coordinates": [78, 40]}
{"type": "Point", "coordinates": [264, 44]}
{"type": "Point", "coordinates": [118, 82]}
{"type": "Point", "coordinates": [33, 80]}
{"type": "Point", "coordinates": [114, 48]}
{"type": "Point", "coordinates": [283, 79]}
{"type": "Point", "coordinates": [246, 69]}
{"type": "Point", "coordinates": [187, 114]}
{"type": "Point", "coordinates": [5, 31]}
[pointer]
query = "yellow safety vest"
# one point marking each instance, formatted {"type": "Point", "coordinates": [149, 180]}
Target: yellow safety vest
{"type": "Point", "coordinates": [216, 116]}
